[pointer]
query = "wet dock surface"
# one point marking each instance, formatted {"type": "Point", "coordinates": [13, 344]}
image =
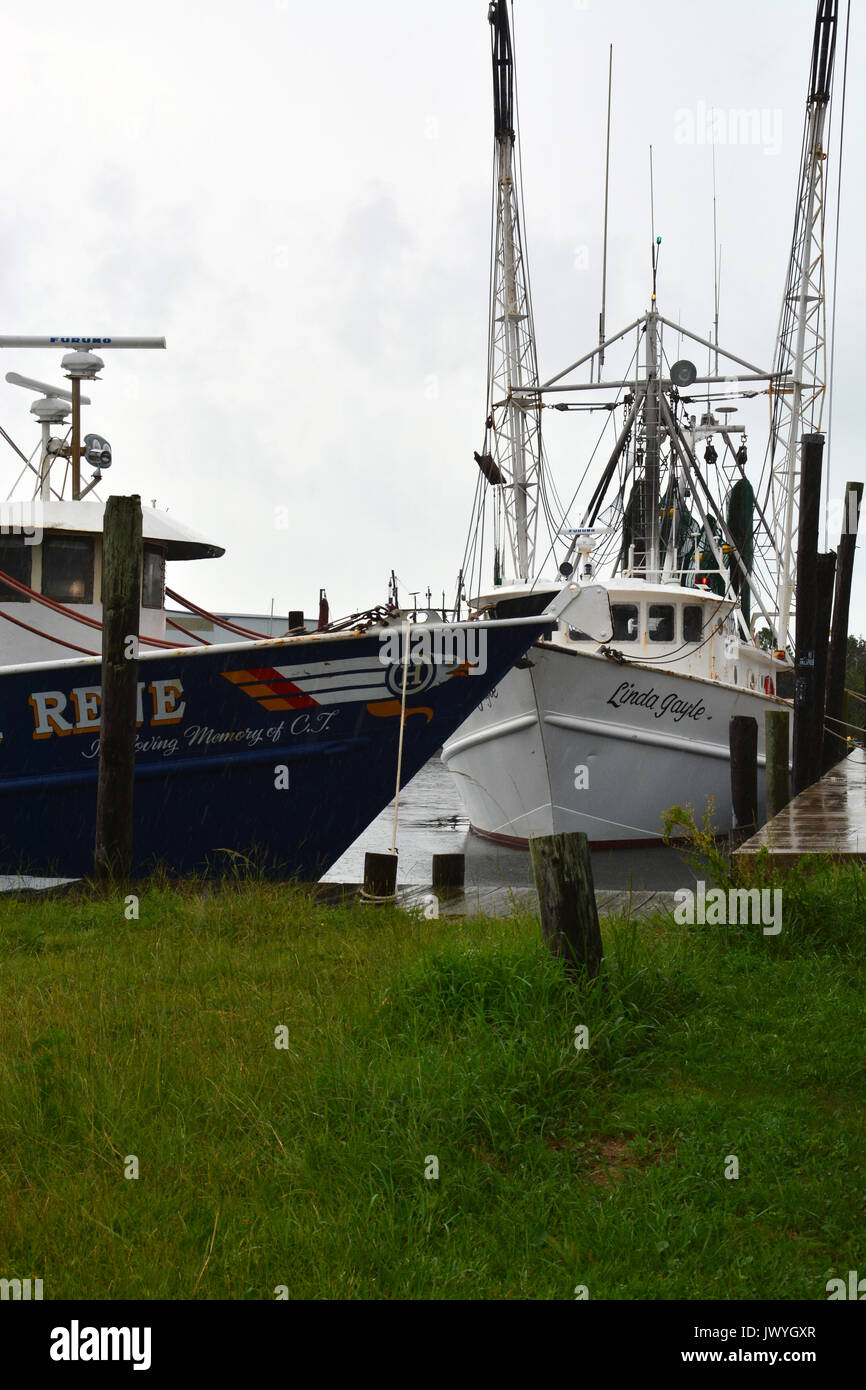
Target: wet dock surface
{"type": "Point", "coordinates": [828, 819]}
{"type": "Point", "coordinates": [499, 901]}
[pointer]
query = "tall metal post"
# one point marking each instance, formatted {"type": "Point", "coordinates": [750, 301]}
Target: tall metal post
{"type": "Point", "coordinates": [75, 442]}
{"type": "Point", "coordinates": [651, 460]}
{"type": "Point", "coordinates": [514, 412]}
{"type": "Point", "coordinates": [799, 379]}
{"type": "Point", "coordinates": [806, 764]}
{"type": "Point", "coordinates": [835, 742]}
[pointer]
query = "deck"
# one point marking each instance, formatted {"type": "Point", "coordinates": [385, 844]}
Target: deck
{"type": "Point", "coordinates": [827, 819]}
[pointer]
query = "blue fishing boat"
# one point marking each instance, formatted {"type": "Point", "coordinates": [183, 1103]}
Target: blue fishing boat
{"type": "Point", "coordinates": [271, 752]}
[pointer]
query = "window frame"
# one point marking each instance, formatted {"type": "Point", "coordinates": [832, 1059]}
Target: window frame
{"type": "Point", "coordinates": [671, 609]}
{"type": "Point", "coordinates": [153, 548]}
{"type": "Point", "coordinates": [690, 607]}
{"type": "Point", "coordinates": [16, 544]}
{"type": "Point", "coordinates": [85, 542]}
{"type": "Point", "coordinates": [637, 628]}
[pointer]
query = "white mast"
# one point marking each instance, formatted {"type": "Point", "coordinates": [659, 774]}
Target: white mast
{"type": "Point", "coordinates": [800, 364]}
{"type": "Point", "coordinates": [515, 416]}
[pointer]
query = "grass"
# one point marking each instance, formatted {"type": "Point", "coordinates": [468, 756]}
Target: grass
{"type": "Point", "coordinates": [304, 1166]}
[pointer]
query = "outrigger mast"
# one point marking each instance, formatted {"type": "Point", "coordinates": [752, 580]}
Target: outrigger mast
{"type": "Point", "coordinates": [511, 458]}
{"type": "Point", "coordinates": [799, 376]}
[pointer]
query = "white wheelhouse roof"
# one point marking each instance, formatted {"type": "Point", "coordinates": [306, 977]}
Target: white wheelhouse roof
{"type": "Point", "coordinates": [181, 543]}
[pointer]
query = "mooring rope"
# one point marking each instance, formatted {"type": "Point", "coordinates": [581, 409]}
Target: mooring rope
{"type": "Point", "coordinates": [407, 628]}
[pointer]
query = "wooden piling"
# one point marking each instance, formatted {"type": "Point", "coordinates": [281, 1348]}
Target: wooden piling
{"type": "Point", "coordinates": [777, 743]}
{"type": "Point", "coordinates": [835, 740]}
{"type": "Point", "coordinates": [380, 875]}
{"type": "Point", "coordinates": [743, 743]}
{"type": "Point", "coordinates": [806, 765]}
{"type": "Point", "coordinates": [825, 577]}
{"type": "Point", "coordinates": [566, 898]}
{"type": "Point", "coordinates": [121, 609]}
{"type": "Point", "coordinates": [449, 874]}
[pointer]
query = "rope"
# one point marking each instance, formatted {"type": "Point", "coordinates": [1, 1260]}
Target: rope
{"type": "Point", "coordinates": [47, 602]}
{"type": "Point", "coordinates": [70, 613]}
{"type": "Point", "coordinates": [407, 628]}
{"type": "Point", "coordinates": [59, 640]}
{"type": "Point", "coordinates": [842, 723]}
{"type": "Point", "coordinates": [220, 622]}
{"type": "Point", "coordinates": [198, 641]}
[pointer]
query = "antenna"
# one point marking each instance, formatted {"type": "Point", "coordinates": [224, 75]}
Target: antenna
{"type": "Point", "coordinates": [604, 243]}
{"type": "Point", "coordinates": [80, 363]}
{"type": "Point", "coordinates": [42, 387]}
{"type": "Point", "coordinates": [717, 255]}
{"type": "Point", "coordinates": [80, 344]}
{"type": "Point", "coordinates": [657, 241]}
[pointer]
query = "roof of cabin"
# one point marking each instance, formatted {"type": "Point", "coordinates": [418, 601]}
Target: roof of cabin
{"type": "Point", "coordinates": [181, 543]}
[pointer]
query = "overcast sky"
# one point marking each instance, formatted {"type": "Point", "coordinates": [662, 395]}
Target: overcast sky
{"type": "Point", "coordinates": [298, 197]}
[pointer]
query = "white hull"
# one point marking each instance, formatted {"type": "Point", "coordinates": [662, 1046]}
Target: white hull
{"type": "Point", "coordinates": [562, 746]}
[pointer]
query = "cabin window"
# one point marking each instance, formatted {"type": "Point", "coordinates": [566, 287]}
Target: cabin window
{"type": "Point", "coordinates": [624, 622]}
{"type": "Point", "coordinates": [153, 577]}
{"type": "Point", "coordinates": [693, 622]}
{"type": "Point", "coordinates": [67, 568]}
{"type": "Point", "coordinates": [660, 624]}
{"type": "Point", "coordinates": [15, 556]}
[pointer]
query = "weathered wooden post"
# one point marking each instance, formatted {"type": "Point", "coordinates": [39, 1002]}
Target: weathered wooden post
{"type": "Point", "coordinates": [806, 766]}
{"type": "Point", "coordinates": [121, 609]}
{"type": "Point", "coordinates": [825, 576]}
{"type": "Point", "coordinates": [777, 742]}
{"type": "Point", "coordinates": [743, 743]}
{"type": "Point", "coordinates": [835, 741]}
{"type": "Point", "coordinates": [449, 874]}
{"type": "Point", "coordinates": [380, 875]}
{"type": "Point", "coordinates": [566, 899]}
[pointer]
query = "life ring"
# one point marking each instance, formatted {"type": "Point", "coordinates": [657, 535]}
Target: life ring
{"type": "Point", "coordinates": [769, 687]}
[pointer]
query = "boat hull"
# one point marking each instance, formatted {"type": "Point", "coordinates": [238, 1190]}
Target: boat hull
{"type": "Point", "coordinates": [275, 753]}
{"type": "Point", "coordinates": [576, 742]}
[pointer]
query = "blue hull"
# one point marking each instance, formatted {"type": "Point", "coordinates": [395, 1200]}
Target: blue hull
{"type": "Point", "coordinates": [278, 751]}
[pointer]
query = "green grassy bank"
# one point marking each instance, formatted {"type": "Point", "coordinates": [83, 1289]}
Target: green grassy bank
{"type": "Point", "coordinates": [304, 1166]}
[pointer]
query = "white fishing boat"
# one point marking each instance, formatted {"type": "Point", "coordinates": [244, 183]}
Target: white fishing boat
{"type": "Point", "coordinates": [690, 562]}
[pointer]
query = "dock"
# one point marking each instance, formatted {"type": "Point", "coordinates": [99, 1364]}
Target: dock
{"type": "Point", "coordinates": [827, 819]}
{"type": "Point", "coordinates": [498, 901]}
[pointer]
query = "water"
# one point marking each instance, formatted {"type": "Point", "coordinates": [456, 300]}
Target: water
{"type": "Point", "coordinates": [432, 821]}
